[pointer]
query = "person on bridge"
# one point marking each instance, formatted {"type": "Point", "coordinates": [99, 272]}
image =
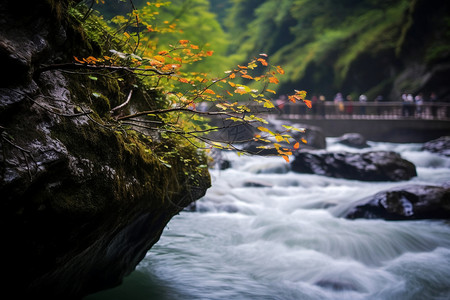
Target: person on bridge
{"type": "Point", "coordinates": [362, 101]}
{"type": "Point", "coordinates": [349, 105]}
{"type": "Point", "coordinates": [339, 103]}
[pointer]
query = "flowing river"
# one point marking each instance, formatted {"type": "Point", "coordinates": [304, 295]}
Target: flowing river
{"type": "Point", "coordinates": [263, 232]}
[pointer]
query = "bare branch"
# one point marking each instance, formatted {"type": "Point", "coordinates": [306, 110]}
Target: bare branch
{"type": "Point", "coordinates": [175, 109]}
{"type": "Point", "coordinates": [76, 66]}
{"type": "Point", "coordinates": [123, 104]}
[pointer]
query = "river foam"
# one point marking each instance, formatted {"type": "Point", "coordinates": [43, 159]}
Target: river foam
{"type": "Point", "coordinates": [263, 232]}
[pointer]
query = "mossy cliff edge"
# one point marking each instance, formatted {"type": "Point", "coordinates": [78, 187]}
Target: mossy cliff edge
{"type": "Point", "coordinates": [81, 203]}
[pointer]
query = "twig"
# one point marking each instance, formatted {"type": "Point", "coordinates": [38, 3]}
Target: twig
{"type": "Point", "coordinates": [123, 104]}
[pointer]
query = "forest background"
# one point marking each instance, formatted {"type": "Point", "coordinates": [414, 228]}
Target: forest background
{"type": "Point", "coordinates": [373, 47]}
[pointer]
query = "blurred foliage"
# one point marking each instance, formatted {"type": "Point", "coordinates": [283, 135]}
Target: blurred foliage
{"type": "Point", "coordinates": [330, 37]}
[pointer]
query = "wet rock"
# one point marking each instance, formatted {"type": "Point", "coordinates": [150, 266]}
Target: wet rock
{"type": "Point", "coordinates": [81, 204]}
{"type": "Point", "coordinates": [354, 140]}
{"type": "Point", "coordinates": [440, 146]}
{"type": "Point", "coordinates": [253, 183]}
{"type": "Point", "coordinates": [410, 202]}
{"type": "Point", "coordinates": [369, 166]}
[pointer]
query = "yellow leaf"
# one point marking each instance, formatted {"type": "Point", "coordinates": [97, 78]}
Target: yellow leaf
{"type": "Point", "coordinates": [268, 104]}
{"type": "Point", "coordinates": [279, 138]}
{"type": "Point", "coordinates": [271, 91]}
{"type": "Point", "coordinates": [160, 58]}
{"type": "Point", "coordinates": [304, 141]}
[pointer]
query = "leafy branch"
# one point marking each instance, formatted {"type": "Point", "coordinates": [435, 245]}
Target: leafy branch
{"type": "Point", "coordinates": [192, 98]}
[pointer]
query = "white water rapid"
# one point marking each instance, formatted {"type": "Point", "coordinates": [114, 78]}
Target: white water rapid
{"type": "Point", "coordinates": [263, 232]}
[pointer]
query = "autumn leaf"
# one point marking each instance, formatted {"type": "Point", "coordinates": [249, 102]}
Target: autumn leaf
{"type": "Point", "coordinates": [279, 138]}
{"type": "Point", "coordinates": [78, 60]}
{"type": "Point", "coordinates": [273, 79]}
{"type": "Point", "coordinates": [268, 104]}
{"type": "Point", "coordinates": [280, 70]}
{"type": "Point", "coordinates": [286, 158]}
{"type": "Point", "coordinates": [184, 80]}
{"type": "Point", "coordinates": [308, 103]}
{"type": "Point", "coordinates": [247, 76]}
{"type": "Point", "coordinates": [240, 90]}
{"type": "Point", "coordinates": [209, 91]}
{"type": "Point", "coordinates": [183, 42]}
{"type": "Point", "coordinates": [263, 61]}
{"type": "Point", "coordinates": [271, 91]}
{"type": "Point", "coordinates": [232, 75]}
{"type": "Point", "coordinates": [296, 145]}
{"type": "Point", "coordinates": [304, 141]}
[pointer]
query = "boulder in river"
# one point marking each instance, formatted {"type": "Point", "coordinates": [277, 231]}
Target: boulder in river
{"type": "Point", "coordinates": [369, 166]}
{"type": "Point", "coordinates": [440, 146]}
{"type": "Point", "coordinates": [404, 203]}
{"type": "Point", "coordinates": [354, 140]}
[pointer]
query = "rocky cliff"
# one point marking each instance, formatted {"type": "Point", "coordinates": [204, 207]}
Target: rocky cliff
{"type": "Point", "coordinates": [82, 200]}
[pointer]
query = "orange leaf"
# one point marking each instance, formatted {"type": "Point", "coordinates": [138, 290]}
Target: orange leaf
{"type": "Point", "coordinates": [163, 52]}
{"type": "Point", "coordinates": [209, 53]}
{"type": "Point", "coordinates": [271, 91]}
{"type": "Point", "coordinates": [209, 91]}
{"type": "Point", "coordinates": [194, 47]}
{"type": "Point", "coordinates": [247, 76]}
{"type": "Point", "coordinates": [296, 145]}
{"type": "Point", "coordinates": [308, 103]}
{"type": "Point", "coordinates": [274, 80]}
{"type": "Point", "coordinates": [240, 90]}
{"type": "Point", "coordinates": [280, 70]}
{"type": "Point", "coordinates": [263, 61]}
{"type": "Point", "coordinates": [232, 75]}
{"type": "Point", "coordinates": [183, 42]}
{"type": "Point", "coordinates": [80, 61]}
{"type": "Point", "coordinates": [286, 158]}
{"type": "Point", "coordinates": [242, 67]}
{"type": "Point", "coordinates": [304, 141]}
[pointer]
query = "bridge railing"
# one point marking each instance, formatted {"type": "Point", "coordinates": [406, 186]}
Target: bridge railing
{"type": "Point", "coordinates": [357, 110]}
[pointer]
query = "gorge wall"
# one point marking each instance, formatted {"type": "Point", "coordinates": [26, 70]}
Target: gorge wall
{"type": "Point", "coordinates": [81, 201]}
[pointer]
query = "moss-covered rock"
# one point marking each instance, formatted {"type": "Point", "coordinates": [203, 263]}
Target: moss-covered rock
{"type": "Point", "coordinates": [82, 199]}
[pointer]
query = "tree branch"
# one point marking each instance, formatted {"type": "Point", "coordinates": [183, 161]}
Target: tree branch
{"type": "Point", "coordinates": [76, 66]}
